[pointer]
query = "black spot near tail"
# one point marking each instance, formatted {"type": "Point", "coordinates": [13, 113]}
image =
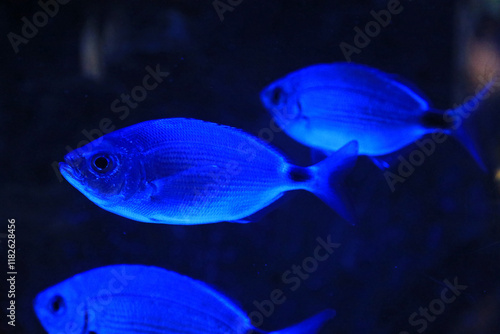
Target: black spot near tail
{"type": "Point", "coordinates": [434, 120]}
{"type": "Point", "coordinates": [299, 174]}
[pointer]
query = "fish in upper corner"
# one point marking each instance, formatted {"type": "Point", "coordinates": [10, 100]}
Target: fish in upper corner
{"type": "Point", "coordinates": [327, 105]}
{"type": "Point", "coordinates": [122, 299]}
{"type": "Point", "coordinates": [187, 171]}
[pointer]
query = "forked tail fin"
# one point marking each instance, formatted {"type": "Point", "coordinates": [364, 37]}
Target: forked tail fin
{"type": "Point", "coordinates": [328, 183]}
{"type": "Point", "coordinates": [463, 136]}
{"type": "Point", "coordinates": [309, 326]}
{"type": "Point", "coordinates": [462, 112]}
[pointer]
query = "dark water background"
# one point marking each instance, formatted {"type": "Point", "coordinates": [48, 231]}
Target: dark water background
{"type": "Point", "coordinates": [441, 223]}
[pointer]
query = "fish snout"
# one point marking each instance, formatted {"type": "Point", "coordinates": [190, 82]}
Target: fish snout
{"type": "Point", "coordinates": [71, 166]}
{"type": "Point", "coordinates": [73, 159]}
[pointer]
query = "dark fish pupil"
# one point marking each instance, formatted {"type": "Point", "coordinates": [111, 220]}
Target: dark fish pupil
{"type": "Point", "coordinates": [101, 163]}
{"type": "Point", "coordinates": [276, 96]}
{"type": "Point", "coordinates": [57, 304]}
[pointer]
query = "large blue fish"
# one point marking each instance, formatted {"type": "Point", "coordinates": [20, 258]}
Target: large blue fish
{"type": "Point", "coordinates": [186, 171]}
{"type": "Point", "coordinates": [126, 299]}
{"type": "Point", "coordinates": [327, 105]}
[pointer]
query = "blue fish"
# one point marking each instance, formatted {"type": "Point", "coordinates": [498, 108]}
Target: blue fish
{"type": "Point", "coordinates": [121, 299]}
{"type": "Point", "coordinates": [327, 105]}
{"type": "Point", "coordinates": [187, 171]}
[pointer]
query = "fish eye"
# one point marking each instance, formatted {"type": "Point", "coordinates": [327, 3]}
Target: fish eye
{"type": "Point", "coordinates": [101, 163]}
{"type": "Point", "coordinates": [276, 95]}
{"type": "Point", "coordinates": [57, 304]}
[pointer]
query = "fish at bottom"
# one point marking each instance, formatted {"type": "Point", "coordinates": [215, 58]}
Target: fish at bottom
{"type": "Point", "coordinates": [146, 299]}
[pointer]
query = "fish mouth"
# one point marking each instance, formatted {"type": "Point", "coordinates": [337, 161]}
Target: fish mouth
{"type": "Point", "coordinates": [41, 312]}
{"type": "Point", "coordinates": [70, 167]}
{"type": "Point", "coordinates": [266, 96]}
{"type": "Point", "coordinates": [65, 170]}
{"type": "Point", "coordinates": [70, 173]}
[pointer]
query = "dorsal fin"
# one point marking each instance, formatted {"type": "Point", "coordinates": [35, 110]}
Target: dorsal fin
{"type": "Point", "coordinates": [402, 83]}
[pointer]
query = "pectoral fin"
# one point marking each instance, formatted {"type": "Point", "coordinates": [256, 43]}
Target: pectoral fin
{"type": "Point", "coordinates": [187, 197]}
{"type": "Point", "coordinates": [198, 181]}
